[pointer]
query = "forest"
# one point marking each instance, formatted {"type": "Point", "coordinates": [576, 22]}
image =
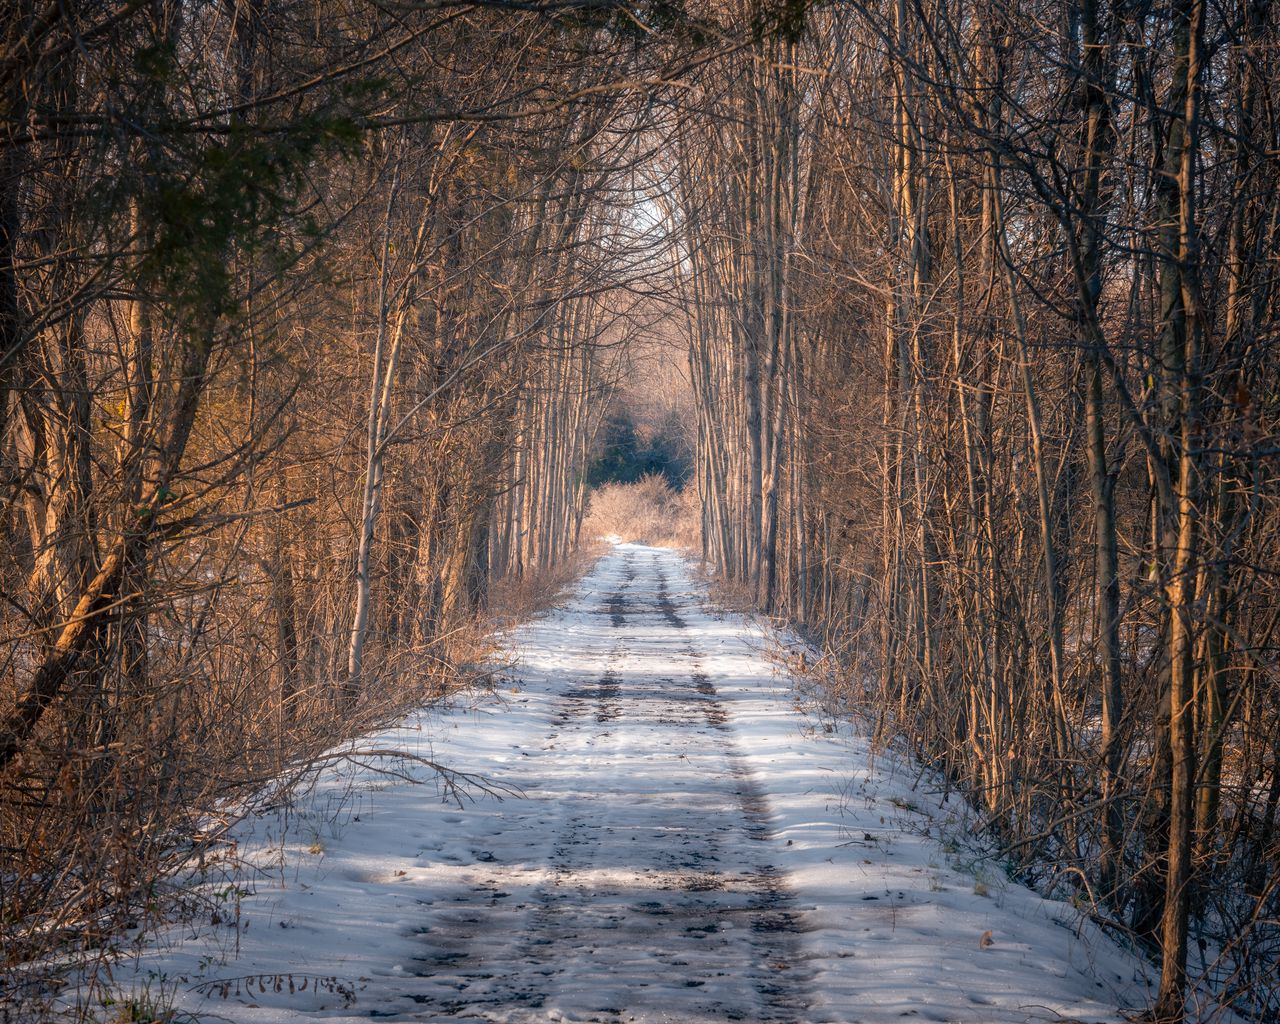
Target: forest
{"type": "Point", "coordinates": [319, 325]}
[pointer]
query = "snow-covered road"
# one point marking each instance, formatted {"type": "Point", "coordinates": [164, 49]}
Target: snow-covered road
{"type": "Point", "coordinates": [691, 842]}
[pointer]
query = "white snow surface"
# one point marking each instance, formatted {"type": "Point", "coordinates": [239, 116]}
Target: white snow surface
{"type": "Point", "coordinates": [692, 841]}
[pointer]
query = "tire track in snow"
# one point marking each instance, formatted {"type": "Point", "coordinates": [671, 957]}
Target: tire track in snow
{"type": "Point", "coordinates": [776, 925]}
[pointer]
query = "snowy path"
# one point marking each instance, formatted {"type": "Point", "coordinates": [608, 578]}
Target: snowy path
{"type": "Point", "coordinates": [690, 844]}
{"type": "Point", "coordinates": [659, 867]}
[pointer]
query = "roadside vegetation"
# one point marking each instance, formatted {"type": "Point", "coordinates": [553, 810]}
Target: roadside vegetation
{"type": "Point", "coordinates": [649, 511]}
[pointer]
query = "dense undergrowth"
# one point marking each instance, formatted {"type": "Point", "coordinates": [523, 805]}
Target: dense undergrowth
{"type": "Point", "coordinates": [648, 511]}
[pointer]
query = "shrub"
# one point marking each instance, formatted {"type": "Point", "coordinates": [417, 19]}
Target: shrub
{"type": "Point", "coordinates": [648, 511]}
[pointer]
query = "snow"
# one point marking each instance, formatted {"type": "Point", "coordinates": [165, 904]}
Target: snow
{"type": "Point", "coordinates": [685, 837]}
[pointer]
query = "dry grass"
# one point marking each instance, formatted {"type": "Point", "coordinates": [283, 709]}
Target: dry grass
{"type": "Point", "coordinates": [648, 511]}
{"type": "Point", "coordinates": [514, 600]}
{"type": "Point", "coordinates": [728, 594]}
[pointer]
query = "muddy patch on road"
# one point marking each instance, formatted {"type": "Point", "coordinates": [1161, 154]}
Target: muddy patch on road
{"type": "Point", "coordinates": [666, 607]}
{"type": "Point", "coordinates": [617, 609]}
{"type": "Point", "coordinates": [607, 697]}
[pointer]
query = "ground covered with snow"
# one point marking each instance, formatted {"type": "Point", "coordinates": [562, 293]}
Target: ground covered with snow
{"type": "Point", "coordinates": [683, 838]}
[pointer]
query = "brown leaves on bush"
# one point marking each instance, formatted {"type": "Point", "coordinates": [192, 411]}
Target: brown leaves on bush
{"type": "Point", "coordinates": [649, 511]}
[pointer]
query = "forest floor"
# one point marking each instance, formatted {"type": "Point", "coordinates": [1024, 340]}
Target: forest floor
{"type": "Point", "coordinates": [686, 837]}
